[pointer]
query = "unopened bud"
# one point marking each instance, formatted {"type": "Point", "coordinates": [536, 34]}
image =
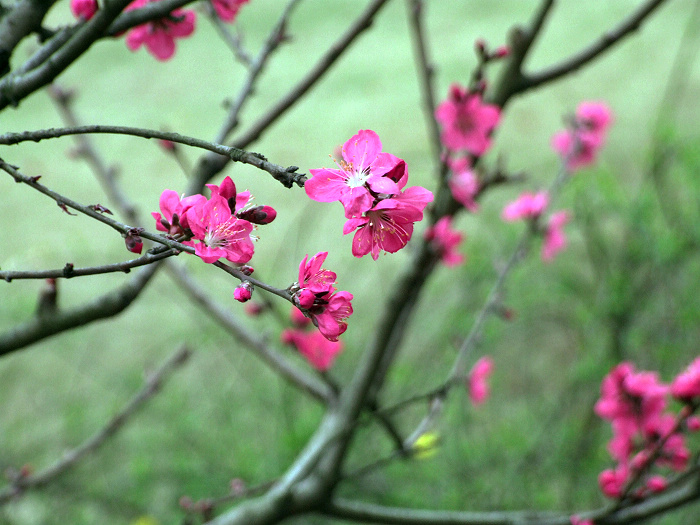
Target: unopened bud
{"type": "Point", "coordinates": [243, 292]}
{"type": "Point", "coordinates": [133, 241]}
{"type": "Point", "coordinates": [246, 269]}
{"type": "Point", "coordinates": [259, 215]}
{"type": "Point", "coordinates": [501, 52]}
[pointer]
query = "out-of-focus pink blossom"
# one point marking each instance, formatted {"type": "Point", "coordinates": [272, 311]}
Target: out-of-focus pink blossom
{"type": "Point", "coordinates": [445, 241]}
{"type": "Point", "coordinates": [389, 225]}
{"type": "Point", "coordinates": [613, 481]}
{"type": "Point", "coordinates": [84, 9]}
{"type": "Point", "coordinates": [580, 145]}
{"type": "Point", "coordinates": [159, 35]}
{"type": "Point", "coordinates": [318, 351]}
{"type": "Point", "coordinates": [467, 123]}
{"type": "Point", "coordinates": [686, 385]}
{"type": "Point", "coordinates": [526, 206]}
{"type": "Point", "coordinates": [477, 380]}
{"type": "Point", "coordinates": [554, 238]}
{"type": "Point", "coordinates": [364, 172]}
{"type": "Point", "coordinates": [463, 183]}
{"type": "Point", "coordinates": [228, 9]}
{"type": "Point", "coordinates": [656, 483]}
{"type": "Point", "coordinates": [254, 308]}
{"type": "Point", "coordinates": [299, 320]}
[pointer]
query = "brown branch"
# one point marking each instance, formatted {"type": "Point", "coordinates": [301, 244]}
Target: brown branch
{"type": "Point", "coordinates": [153, 385]}
{"type": "Point", "coordinates": [285, 175]}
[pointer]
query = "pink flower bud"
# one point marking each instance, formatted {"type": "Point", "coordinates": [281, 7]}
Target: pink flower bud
{"type": "Point", "coordinates": [258, 215]}
{"type": "Point", "coordinates": [501, 52]}
{"type": "Point", "coordinates": [133, 241]}
{"type": "Point", "coordinates": [246, 269]}
{"type": "Point", "coordinates": [656, 483]}
{"type": "Point", "coordinates": [305, 298]}
{"type": "Point", "coordinates": [243, 292]}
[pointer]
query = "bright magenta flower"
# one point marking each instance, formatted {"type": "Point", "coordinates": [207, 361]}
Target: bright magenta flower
{"type": "Point", "coordinates": [389, 225]}
{"type": "Point", "coordinates": [174, 218]}
{"type": "Point", "coordinates": [526, 206]}
{"type": "Point", "coordinates": [315, 294]}
{"type": "Point", "coordinates": [445, 241]}
{"type": "Point", "coordinates": [580, 145]}
{"type": "Point", "coordinates": [84, 9]}
{"type": "Point", "coordinates": [318, 351]}
{"type": "Point", "coordinates": [467, 123]}
{"type": "Point", "coordinates": [228, 9]}
{"type": "Point", "coordinates": [478, 376]}
{"type": "Point", "coordinates": [364, 174]}
{"type": "Point", "coordinates": [554, 238]}
{"type": "Point", "coordinates": [243, 292]}
{"type": "Point", "coordinates": [159, 35]}
{"type": "Point", "coordinates": [220, 233]}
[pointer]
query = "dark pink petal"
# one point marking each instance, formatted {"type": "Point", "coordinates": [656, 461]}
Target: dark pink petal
{"type": "Point", "coordinates": [161, 45]}
{"type": "Point", "coordinates": [325, 185]}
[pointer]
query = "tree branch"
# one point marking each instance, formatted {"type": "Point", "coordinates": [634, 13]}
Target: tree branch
{"type": "Point", "coordinates": [285, 175]}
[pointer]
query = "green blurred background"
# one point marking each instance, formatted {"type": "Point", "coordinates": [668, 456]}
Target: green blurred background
{"type": "Point", "coordinates": [626, 288]}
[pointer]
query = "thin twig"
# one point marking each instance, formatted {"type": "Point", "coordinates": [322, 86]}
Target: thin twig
{"type": "Point", "coordinates": [153, 385]}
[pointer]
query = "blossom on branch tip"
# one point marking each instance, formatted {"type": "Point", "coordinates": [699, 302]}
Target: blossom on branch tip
{"type": "Point", "coordinates": [227, 10]}
{"type": "Point", "coordinates": [445, 241]}
{"type": "Point", "coordinates": [159, 35]}
{"type": "Point", "coordinates": [467, 123]}
{"type": "Point", "coordinates": [477, 380]}
{"type": "Point", "coordinates": [315, 294]}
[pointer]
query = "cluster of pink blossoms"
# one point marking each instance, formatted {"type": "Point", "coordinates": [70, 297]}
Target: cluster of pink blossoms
{"type": "Point", "coordinates": [222, 224]}
{"type": "Point", "coordinates": [529, 206]}
{"type": "Point", "coordinates": [645, 432]}
{"type": "Point", "coordinates": [316, 296]}
{"type": "Point", "coordinates": [370, 185]}
{"type": "Point", "coordinates": [316, 349]}
{"type": "Point", "coordinates": [159, 35]}
{"type": "Point", "coordinates": [580, 144]}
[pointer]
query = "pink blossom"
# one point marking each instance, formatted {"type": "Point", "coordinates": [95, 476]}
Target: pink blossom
{"type": "Point", "coordinates": [656, 483]}
{"type": "Point", "coordinates": [388, 226]}
{"type": "Point", "coordinates": [554, 238]}
{"type": "Point", "coordinates": [159, 35]}
{"type": "Point", "coordinates": [174, 218]}
{"type": "Point", "coordinates": [693, 423]}
{"type": "Point", "coordinates": [526, 206]}
{"type": "Point", "coordinates": [445, 240]}
{"type": "Point", "coordinates": [580, 145]}
{"type": "Point", "coordinates": [239, 203]}
{"type": "Point", "coordinates": [84, 9]}
{"type": "Point", "coordinates": [686, 385]}
{"type": "Point", "coordinates": [613, 481]}
{"type": "Point", "coordinates": [364, 171]}
{"type": "Point", "coordinates": [228, 9]}
{"type": "Point", "coordinates": [477, 381]}
{"type": "Point", "coordinates": [464, 184]}
{"type": "Point", "coordinates": [467, 123]}
{"type": "Point", "coordinates": [220, 233]}
{"type": "Point", "coordinates": [318, 351]}
{"type": "Point", "coordinates": [315, 294]}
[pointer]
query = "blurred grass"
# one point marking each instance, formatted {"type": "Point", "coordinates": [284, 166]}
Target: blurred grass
{"type": "Point", "coordinates": [625, 289]}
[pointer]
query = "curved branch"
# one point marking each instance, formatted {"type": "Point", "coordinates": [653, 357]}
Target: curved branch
{"type": "Point", "coordinates": [285, 175]}
{"type": "Point", "coordinates": [154, 383]}
{"type": "Point", "coordinates": [605, 42]}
